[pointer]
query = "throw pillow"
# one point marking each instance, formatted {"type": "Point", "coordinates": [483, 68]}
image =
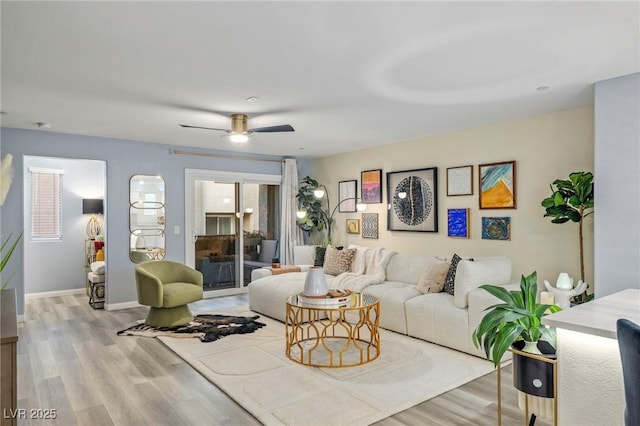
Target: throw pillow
{"type": "Point", "coordinates": [432, 277]}
{"type": "Point", "coordinates": [449, 281]}
{"type": "Point", "coordinates": [318, 260]}
{"type": "Point", "coordinates": [97, 267]}
{"type": "Point", "coordinates": [338, 261]}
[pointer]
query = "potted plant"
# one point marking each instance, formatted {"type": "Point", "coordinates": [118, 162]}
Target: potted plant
{"type": "Point", "coordinates": [572, 200]}
{"type": "Point", "coordinates": [315, 218]}
{"type": "Point", "coordinates": [517, 319]}
{"type": "Point", "coordinates": [6, 250]}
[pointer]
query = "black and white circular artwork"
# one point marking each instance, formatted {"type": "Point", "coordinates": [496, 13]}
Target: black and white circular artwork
{"type": "Point", "coordinates": [417, 203]}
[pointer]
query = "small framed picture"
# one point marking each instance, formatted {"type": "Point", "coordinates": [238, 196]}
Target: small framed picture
{"type": "Point", "coordinates": [347, 196]}
{"type": "Point", "coordinates": [371, 186]}
{"type": "Point", "coordinates": [497, 185]}
{"type": "Point", "coordinates": [460, 181]}
{"type": "Point", "coordinates": [496, 228]}
{"type": "Point", "coordinates": [458, 223]}
{"type": "Point", "coordinates": [353, 226]}
{"type": "Point", "coordinates": [370, 225]}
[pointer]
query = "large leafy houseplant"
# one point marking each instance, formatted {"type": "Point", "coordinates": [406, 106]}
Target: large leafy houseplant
{"type": "Point", "coordinates": [518, 318]}
{"type": "Point", "coordinates": [572, 200]}
{"type": "Point", "coordinates": [315, 218]}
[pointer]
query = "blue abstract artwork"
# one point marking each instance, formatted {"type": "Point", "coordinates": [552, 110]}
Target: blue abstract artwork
{"type": "Point", "coordinates": [458, 223]}
{"type": "Point", "coordinates": [496, 228]}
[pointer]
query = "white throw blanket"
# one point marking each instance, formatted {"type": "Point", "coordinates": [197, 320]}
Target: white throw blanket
{"type": "Point", "coordinates": [376, 260]}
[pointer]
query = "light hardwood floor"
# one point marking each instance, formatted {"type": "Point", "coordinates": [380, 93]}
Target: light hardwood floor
{"type": "Point", "coordinates": [71, 360]}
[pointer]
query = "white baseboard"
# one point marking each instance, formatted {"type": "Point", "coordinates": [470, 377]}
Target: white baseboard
{"type": "Point", "coordinates": [121, 305]}
{"type": "Point", "coordinates": [54, 293]}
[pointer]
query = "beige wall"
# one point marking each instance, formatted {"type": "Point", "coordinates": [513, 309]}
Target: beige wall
{"type": "Point", "coordinates": [546, 147]}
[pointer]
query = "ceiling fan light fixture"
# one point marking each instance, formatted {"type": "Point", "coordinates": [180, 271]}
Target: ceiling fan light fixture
{"type": "Point", "coordinates": [238, 137]}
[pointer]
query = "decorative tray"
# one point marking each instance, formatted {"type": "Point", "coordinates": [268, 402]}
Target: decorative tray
{"type": "Point", "coordinates": [335, 299]}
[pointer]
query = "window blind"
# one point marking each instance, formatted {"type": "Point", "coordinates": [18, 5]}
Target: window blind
{"type": "Point", "coordinates": [46, 203]}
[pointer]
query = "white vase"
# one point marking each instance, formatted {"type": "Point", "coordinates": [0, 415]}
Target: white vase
{"type": "Point", "coordinates": [315, 285]}
{"type": "Point", "coordinates": [531, 348]}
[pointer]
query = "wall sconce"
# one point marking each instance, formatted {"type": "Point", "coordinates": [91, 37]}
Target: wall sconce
{"type": "Point", "coordinates": [93, 206]}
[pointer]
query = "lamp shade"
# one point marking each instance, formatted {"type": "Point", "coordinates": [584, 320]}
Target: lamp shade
{"type": "Point", "coordinates": [92, 206]}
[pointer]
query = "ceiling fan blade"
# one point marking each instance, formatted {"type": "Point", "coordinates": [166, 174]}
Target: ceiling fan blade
{"type": "Point", "coordinates": [272, 129]}
{"type": "Point", "coordinates": [204, 128]}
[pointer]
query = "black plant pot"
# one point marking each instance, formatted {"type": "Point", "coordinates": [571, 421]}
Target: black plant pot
{"type": "Point", "coordinates": [531, 375]}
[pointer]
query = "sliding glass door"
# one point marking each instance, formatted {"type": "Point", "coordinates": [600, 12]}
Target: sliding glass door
{"type": "Point", "coordinates": [232, 224]}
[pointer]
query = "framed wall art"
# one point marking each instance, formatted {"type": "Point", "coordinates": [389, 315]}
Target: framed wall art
{"type": "Point", "coordinates": [371, 186]}
{"type": "Point", "coordinates": [369, 225]}
{"type": "Point", "coordinates": [458, 223]}
{"type": "Point", "coordinates": [497, 182]}
{"type": "Point", "coordinates": [496, 228]}
{"type": "Point", "coordinates": [347, 196]}
{"type": "Point", "coordinates": [413, 200]}
{"type": "Point", "coordinates": [353, 226]}
{"type": "Point", "coordinates": [460, 180]}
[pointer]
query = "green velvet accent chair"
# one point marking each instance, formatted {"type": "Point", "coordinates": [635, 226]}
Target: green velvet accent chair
{"type": "Point", "coordinates": [167, 287]}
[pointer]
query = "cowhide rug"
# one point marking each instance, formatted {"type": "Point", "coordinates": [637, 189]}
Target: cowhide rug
{"type": "Point", "coordinates": [208, 328]}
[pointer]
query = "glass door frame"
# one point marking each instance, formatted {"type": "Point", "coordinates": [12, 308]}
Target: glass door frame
{"type": "Point", "coordinates": [193, 175]}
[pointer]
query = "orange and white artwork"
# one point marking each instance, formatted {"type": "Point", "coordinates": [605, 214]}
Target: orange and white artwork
{"type": "Point", "coordinates": [498, 185]}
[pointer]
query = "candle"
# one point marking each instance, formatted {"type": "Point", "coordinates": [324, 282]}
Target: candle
{"type": "Point", "coordinates": [564, 282]}
{"type": "Point", "coordinates": [546, 298]}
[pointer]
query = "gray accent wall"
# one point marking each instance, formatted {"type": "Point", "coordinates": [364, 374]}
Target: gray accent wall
{"type": "Point", "coordinates": [617, 184]}
{"type": "Point", "coordinates": [123, 159]}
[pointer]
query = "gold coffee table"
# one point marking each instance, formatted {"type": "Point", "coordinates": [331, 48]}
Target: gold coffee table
{"type": "Point", "coordinates": [340, 336]}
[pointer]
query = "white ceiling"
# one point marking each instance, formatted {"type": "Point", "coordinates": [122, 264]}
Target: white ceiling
{"type": "Point", "coordinates": [345, 75]}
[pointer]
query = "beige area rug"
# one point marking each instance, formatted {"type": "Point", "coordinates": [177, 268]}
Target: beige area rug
{"type": "Point", "coordinates": [254, 370]}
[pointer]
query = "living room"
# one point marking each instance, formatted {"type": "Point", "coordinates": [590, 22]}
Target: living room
{"type": "Point", "coordinates": [597, 133]}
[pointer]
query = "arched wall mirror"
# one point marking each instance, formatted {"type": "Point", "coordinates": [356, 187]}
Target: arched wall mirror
{"type": "Point", "coordinates": [146, 218]}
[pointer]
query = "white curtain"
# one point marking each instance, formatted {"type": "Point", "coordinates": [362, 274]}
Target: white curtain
{"type": "Point", "coordinates": [291, 235]}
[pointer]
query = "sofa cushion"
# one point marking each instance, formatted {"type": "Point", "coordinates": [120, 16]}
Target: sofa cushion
{"type": "Point", "coordinates": [406, 267]}
{"type": "Point", "coordinates": [449, 282]}
{"type": "Point", "coordinates": [433, 275]}
{"type": "Point", "coordinates": [359, 264]}
{"type": "Point", "coordinates": [486, 270]}
{"type": "Point", "coordinates": [303, 255]}
{"type": "Point", "coordinates": [268, 295]}
{"type": "Point", "coordinates": [338, 261]}
{"type": "Point", "coordinates": [393, 295]}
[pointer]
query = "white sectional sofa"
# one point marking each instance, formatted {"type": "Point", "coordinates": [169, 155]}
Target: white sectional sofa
{"type": "Point", "coordinates": [440, 318]}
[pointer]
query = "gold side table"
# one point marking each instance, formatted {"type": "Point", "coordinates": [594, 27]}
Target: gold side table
{"type": "Point", "coordinates": [541, 358]}
{"type": "Point", "coordinates": [333, 337]}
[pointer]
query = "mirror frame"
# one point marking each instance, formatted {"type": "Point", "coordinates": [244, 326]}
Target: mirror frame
{"type": "Point", "coordinates": [154, 208]}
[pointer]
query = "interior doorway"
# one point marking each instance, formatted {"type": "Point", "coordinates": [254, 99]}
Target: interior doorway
{"type": "Point", "coordinates": [59, 236]}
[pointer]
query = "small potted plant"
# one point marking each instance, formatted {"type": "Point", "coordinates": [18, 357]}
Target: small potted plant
{"type": "Point", "coordinates": [517, 319]}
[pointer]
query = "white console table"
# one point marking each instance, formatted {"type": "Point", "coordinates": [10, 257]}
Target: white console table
{"type": "Point", "coordinates": [590, 388]}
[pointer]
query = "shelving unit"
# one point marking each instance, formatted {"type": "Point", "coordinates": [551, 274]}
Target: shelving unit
{"type": "Point", "coordinates": [89, 258]}
{"type": "Point", "coordinates": [8, 349]}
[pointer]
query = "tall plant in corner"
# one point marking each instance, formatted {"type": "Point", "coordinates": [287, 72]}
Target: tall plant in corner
{"type": "Point", "coordinates": [7, 248]}
{"type": "Point", "coordinates": [572, 200]}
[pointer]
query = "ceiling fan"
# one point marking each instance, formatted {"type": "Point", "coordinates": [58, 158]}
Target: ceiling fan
{"type": "Point", "coordinates": [239, 131]}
